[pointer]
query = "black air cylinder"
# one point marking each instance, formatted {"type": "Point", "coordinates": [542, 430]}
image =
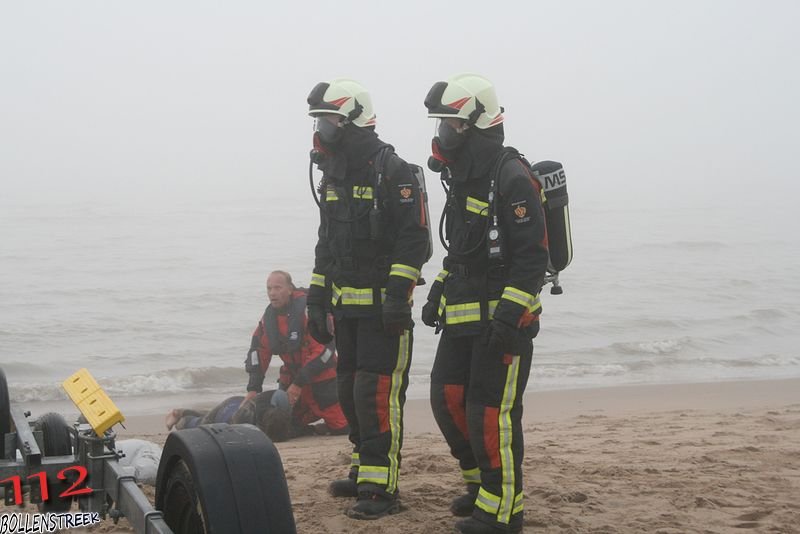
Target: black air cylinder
{"type": "Point", "coordinates": [556, 209]}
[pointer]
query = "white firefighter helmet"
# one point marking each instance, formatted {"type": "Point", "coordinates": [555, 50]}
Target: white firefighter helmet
{"type": "Point", "coordinates": [465, 96]}
{"type": "Point", "coordinates": [344, 97]}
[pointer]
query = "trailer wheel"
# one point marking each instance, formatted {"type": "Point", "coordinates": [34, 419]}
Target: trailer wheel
{"type": "Point", "coordinates": [56, 441]}
{"type": "Point", "coordinates": [223, 479]}
{"type": "Point", "coordinates": [5, 411]}
{"type": "Point", "coordinates": [182, 510]}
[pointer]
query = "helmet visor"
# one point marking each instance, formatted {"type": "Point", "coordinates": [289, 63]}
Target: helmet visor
{"type": "Point", "coordinates": [329, 127]}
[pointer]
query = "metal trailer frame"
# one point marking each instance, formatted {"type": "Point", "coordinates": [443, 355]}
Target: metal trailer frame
{"type": "Point", "coordinates": [223, 479]}
{"type": "Point", "coordinates": [115, 492]}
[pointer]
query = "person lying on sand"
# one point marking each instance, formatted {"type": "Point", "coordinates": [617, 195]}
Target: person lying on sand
{"type": "Point", "coordinates": [269, 411]}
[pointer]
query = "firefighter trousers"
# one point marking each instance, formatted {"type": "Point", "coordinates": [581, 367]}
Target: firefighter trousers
{"type": "Point", "coordinates": [372, 374]}
{"type": "Point", "coordinates": [477, 402]}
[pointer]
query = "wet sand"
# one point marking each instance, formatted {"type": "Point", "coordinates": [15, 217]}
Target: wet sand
{"type": "Point", "coordinates": [668, 459]}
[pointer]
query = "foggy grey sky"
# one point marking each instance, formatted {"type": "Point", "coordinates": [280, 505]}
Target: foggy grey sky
{"type": "Point", "coordinates": [652, 103]}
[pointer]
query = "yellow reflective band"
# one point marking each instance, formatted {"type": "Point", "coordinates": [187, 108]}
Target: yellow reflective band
{"type": "Point", "coordinates": [487, 502]}
{"type": "Point", "coordinates": [462, 313]}
{"type": "Point", "coordinates": [471, 476]}
{"type": "Point", "coordinates": [353, 296]}
{"type": "Point", "coordinates": [478, 206]}
{"type": "Point", "coordinates": [518, 504]}
{"type": "Point", "coordinates": [442, 275]}
{"type": "Point", "coordinates": [376, 474]}
{"type": "Point", "coordinates": [362, 192]}
{"type": "Point", "coordinates": [395, 410]}
{"type": "Point", "coordinates": [330, 194]}
{"type": "Point", "coordinates": [355, 460]}
{"type": "Point", "coordinates": [526, 300]}
{"type": "Point", "coordinates": [317, 279]}
{"type": "Point", "coordinates": [507, 500]}
{"type": "Point", "coordinates": [406, 271]}
{"type": "Point", "coordinates": [336, 294]}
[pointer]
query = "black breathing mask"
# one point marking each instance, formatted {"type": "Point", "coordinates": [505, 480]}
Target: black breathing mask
{"type": "Point", "coordinates": [319, 153]}
{"type": "Point", "coordinates": [450, 139]}
{"type": "Point", "coordinates": [330, 133]}
{"type": "Point", "coordinates": [438, 161]}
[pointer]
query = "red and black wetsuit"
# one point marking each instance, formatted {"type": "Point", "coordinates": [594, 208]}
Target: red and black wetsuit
{"type": "Point", "coordinates": [306, 363]}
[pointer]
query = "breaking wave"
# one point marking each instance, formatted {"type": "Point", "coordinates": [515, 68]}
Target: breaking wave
{"type": "Point", "coordinates": [171, 381]}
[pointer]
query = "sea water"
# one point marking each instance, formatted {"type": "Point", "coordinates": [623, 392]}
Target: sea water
{"type": "Point", "coordinates": [159, 301]}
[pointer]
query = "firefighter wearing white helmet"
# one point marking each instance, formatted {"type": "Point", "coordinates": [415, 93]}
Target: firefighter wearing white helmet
{"type": "Point", "coordinates": [470, 97]}
{"type": "Point", "coordinates": [485, 300]}
{"type": "Point", "coordinates": [372, 242]}
{"type": "Point", "coordinates": [343, 97]}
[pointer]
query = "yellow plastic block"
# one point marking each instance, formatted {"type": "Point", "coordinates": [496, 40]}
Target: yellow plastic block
{"type": "Point", "coordinates": [80, 386]}
{"type": "Point", "coordinates": [99, 410]}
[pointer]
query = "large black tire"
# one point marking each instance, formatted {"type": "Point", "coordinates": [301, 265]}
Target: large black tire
{"type": "Point", "coordinates": [181, 507]}
{"type": "Point", "coordinates": [223, 479]}
{"type": "Point", "coordinates": [56, 441]}
{"type": "Point", "coordinates": [5, 411]}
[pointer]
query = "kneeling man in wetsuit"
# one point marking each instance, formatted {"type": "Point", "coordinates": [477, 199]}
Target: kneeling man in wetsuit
{"type": "Point", "coordinates": [308, 373]}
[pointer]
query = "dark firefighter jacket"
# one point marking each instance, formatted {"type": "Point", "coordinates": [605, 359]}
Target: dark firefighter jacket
{"type": "Point", "coordinates": [361, 252]}
{"type": "Point", "coordinates": [471, 289]}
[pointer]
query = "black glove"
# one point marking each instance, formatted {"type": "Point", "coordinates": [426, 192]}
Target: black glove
{"type": "Point", "coordinates": [502, 338]}
{"type": "Point", "coordinates": [318, 324]}
{"type": "Point", "coordinates": [533, 329]}
{"type": "Point", "coordinates": [430, 314]}
{"type": "Point", "coordinates": [316, 305]}
{"type": "Point", "coordinates": [396, 315]}
{"type": "Point", "coordinates": [251, 363]}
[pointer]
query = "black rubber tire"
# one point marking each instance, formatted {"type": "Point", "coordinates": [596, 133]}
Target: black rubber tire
{"type": "Point", "coordinates": [56, 441]}
{"type": "Point", "coordinates": [182, 511]}
{"type": "Point", "coordinates": [5, 411]}
{"type": "Point", "coordinates": [223, 479]}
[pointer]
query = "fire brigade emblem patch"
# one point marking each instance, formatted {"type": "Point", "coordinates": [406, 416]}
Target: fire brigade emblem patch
{"type": "Point", "coordinates": [405, 192]}
{"type": "Point", "coordinates": [520, 211]}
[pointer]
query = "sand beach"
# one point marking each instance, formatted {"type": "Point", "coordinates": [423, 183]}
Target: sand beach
{"type": "Point", "coordinates": [717, 457]}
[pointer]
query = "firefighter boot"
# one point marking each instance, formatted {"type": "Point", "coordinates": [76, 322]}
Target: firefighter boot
{"type": "Point", "coordinates": [373, 504]}
{"type": "Point", "coordinates": [463, 505]}
{"type": "Point", "coordinates": [344, 487]}
{"type": "Point", "coordinates": [471, 525]}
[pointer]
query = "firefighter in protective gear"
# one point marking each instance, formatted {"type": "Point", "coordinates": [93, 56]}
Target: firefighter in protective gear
{"type": "Point", "coordinates": [485, 300]}
{"type": "Point", "coordinates": [372, 242]}
{"type": "Point", "coordinates": [308, 373]}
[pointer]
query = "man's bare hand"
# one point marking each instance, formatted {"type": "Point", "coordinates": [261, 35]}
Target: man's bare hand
{"type": "Point", "coordinates": [294, 394]}
{"type": "Point", "coordinates": [249, 396]}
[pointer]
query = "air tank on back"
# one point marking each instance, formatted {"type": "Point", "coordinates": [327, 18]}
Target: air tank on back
{"type": "Point", "coordinates": [556, 208]}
